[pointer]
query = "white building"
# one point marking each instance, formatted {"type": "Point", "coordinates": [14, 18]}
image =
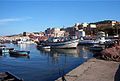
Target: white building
{"type": "Point", "coordinates": [57, 32]}
{"type": "Point", "coordinates": [92, 25]}
{"type": "Point", "coordinates": [114, 22]}
{"type": "Point", "coordinates": [80, 33]}
{"type": "Point", "coordinates": [84, 24]}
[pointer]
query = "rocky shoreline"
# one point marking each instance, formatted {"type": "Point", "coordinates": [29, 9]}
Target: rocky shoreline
{"type": "Point", "coordinates": [112, 53]}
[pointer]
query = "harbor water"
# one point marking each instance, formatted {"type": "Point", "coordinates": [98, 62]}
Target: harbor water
{"type": "Point", "coordinates": [43, 64]}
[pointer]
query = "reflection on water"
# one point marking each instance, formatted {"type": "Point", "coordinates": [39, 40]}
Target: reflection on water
{"type": "Point", "coordinates": [43, 64]}
{"type": "Point", "coordinates": [80, 51]}
{"type": "Point", "coordinates": [84, 52]}
{"type": "Point", "coordinates": [23, 46]}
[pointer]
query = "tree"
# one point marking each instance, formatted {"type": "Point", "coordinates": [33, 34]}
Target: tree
{"type": "Point", "coordinates": [24, 33]}
{"type": "Point", "coordinates": [117, 28]}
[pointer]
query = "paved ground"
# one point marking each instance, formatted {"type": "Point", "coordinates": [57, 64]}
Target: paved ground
{"type": "Point", "coordinates": [94, 70]}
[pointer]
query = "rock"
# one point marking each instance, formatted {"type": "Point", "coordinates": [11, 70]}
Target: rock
{"type": "Point", "coordinates": [112, 53]}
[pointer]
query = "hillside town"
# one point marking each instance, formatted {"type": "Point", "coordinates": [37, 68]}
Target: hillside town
{"type": "Point", "coordinates": [110, 27]}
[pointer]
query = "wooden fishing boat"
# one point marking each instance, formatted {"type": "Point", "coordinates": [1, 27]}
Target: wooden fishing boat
{"type": "Point", "coordinates": [19, 53]}
{"type": "Point", "coordinates": [57, 43]}
{"type": "Point", "coordinates": [65, 44]}
{"type": "Point", "coordinates": [7, 76]}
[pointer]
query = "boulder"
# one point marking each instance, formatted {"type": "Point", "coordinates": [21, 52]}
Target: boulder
{"type": "Point", "coordinates": [112, 53]}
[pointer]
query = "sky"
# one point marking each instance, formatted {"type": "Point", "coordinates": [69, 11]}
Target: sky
{"type": "Point", "coordinates": [17, 16]}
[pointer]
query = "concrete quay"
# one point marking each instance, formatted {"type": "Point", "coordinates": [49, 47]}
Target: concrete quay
{"type": "Point", "coordinates": [94, 70]}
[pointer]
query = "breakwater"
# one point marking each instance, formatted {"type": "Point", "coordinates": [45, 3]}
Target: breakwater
{"type": "Point", "coordinates": [94, 70]}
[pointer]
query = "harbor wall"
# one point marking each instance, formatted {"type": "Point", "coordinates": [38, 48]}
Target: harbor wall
{"type": "Point", "coordinates": [93, 70]}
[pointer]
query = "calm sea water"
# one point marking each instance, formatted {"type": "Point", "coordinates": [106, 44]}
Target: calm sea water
{"type": "Point", "coordinates": [43, 65]}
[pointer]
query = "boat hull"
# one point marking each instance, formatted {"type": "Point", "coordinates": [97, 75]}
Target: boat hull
{"type": "Point", "coordinates": [19, 53]}
{"type": "Point", "coordinates": [96, 48]}
{"type": "Point", "coordinates": [43, 47]}
{"type": "Point", "coordinates": [63, 45]}
{"type": "Point", "coordinates": [88, 42]}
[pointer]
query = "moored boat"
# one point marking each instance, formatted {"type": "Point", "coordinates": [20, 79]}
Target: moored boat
{"type": "Point", "coordinates": [19, 53]}
{"type": "Point", "coordinates": [99, 39]}
{"type": "Point", "coordinates": [65, 44]}
{"type": "Point", "coordinates": [96, 48]}
{"type": "Point", "coordinates": [6, 49]}
{"type": "Point", "coordinates": [23, 41]}
{"type": "Point", "coordinates": [62, 43]}
{"type": "Point", "coordinates": [43, 46]}
{"type": "Point", "coordinates": [88, 42]}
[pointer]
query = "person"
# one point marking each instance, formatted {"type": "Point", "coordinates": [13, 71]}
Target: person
{"type": "Point", "coordinates": [63, 78]}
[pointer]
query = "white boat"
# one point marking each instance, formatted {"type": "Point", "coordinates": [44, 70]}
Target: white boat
{"type": "Point", "coordinates": [56, 43]}
{"type": "Point", "coordinates": [25, 42]}
{"type": "Point", "coordinates": [65, 44]}
{"type": "Point", "coordinates": [100, 39]}
{"type": "Point", "coordinates": [4, 49]}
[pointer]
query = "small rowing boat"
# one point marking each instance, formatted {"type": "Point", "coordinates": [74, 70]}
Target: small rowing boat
{"type": "Point", "coordinates": [19, 53]}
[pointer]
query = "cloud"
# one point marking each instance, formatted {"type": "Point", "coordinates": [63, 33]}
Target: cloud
{"type": "Point", "coordinates": [8, 20]}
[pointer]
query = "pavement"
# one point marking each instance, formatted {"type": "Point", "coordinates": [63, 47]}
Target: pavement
{"type": "Point", "coordinates": [94, 70]}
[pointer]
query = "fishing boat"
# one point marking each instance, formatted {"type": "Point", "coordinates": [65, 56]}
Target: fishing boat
{"type": "Point", "coordinates": [60, 43]}
{"type": "Point", "coordinates": [43, 46]}
{"type": "Point", "coordinates": [88, 42]}
{"type": "Point", "coordinates": [99, 39]}
{"type": "Point", "coordinates": [96, 48]}
{"type": "Point", "coordinates": [65, 44]}
{"type": "Point", "coordinates": [23, 40]}
{"type": "Point", "coordinates": [4, 49]}
{"type": "Point", "coordinates": [19, 53]}
{"type": "Point", "coordinates": [7, 76]}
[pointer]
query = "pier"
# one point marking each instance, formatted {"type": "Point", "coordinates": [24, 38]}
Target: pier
{"type": "Point", "coordinates": [94, 70]}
